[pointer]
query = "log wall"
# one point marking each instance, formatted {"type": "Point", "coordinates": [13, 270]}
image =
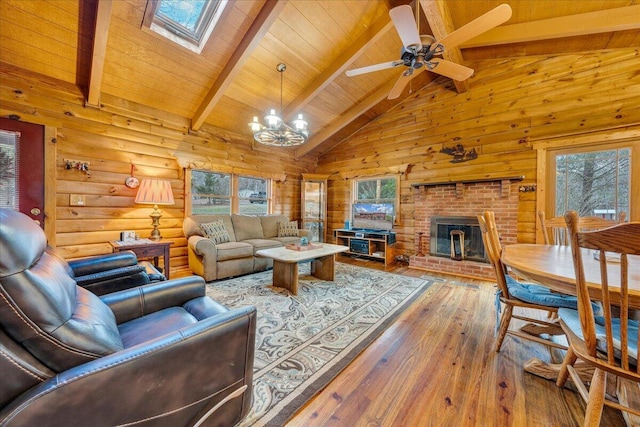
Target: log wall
{"type": "Point", "coordinates": [115, 137]}
{"type": "Point", "coordinates": [512, 105]}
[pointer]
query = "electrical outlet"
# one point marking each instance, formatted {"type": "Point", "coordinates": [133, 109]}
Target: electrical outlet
{"type": "Point", "coordinates": [76, 200]}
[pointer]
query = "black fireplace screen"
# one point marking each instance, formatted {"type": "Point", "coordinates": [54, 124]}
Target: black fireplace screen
{"type": "Point", "coordinates": [466, 238]}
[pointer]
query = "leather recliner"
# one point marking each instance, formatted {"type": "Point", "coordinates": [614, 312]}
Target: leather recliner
{"type": "Point", "coordinates": [104, 274]}
{"type": "Point", "coordinates": [162, 354]}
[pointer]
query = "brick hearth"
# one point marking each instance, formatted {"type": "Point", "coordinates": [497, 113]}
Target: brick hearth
{"type": "Point", "coordinates": [463, 199]}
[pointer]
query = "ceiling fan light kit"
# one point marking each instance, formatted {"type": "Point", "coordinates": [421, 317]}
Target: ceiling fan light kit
{"type": "Point", "coordinates": [276, 132]}
{"type": "Point", "coordinates": [418, 51]}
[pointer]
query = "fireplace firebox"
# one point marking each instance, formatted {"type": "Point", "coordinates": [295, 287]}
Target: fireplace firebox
{"type": "Point", "coordinates": [463, 227]}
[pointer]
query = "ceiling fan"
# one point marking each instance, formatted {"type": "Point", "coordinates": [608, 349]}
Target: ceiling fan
{"type": "Point", "coordinates": [419, 51]}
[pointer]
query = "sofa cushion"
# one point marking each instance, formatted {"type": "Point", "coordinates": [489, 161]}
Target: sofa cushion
{"type": "Point", "coordinates": [191, 225]}
{"type": "Point", "coordinates": [263, 244]}
{"type": "Point", "coordinates": [233, 250]}
{"type": "Point", "coordinates": [215, 231]}
{"type": "Point", "coordinates": [154, 325]}
{"type": "Point", "coordinates": [247, 227]}
{"type": "Point", "coordinates": [270, 224]}
{"type": "Point", "coordinates": [288, 229]}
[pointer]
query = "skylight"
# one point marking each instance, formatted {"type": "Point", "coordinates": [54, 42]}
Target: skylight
{"type": "Point", "coordinates": [186, 22]}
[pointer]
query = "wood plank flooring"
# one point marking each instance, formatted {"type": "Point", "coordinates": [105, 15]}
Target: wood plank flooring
{"type": "Point", "coordinates": [435, 366]}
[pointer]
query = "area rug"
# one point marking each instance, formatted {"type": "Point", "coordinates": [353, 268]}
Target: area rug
{"type": "Point", "coordinates": [303, 341]}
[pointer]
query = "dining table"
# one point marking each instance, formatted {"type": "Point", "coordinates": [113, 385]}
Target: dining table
{"type": "Point", "coordinates": [552, 266]}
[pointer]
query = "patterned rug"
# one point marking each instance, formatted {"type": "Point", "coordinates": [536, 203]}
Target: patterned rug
{"type": "Point", "coordinates": [304, 341]}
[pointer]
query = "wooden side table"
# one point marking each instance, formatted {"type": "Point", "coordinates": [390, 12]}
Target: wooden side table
{"type": "Point", "coordinates": [147, 249]}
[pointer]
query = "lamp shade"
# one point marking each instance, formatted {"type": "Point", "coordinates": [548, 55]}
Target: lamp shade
{"type": "Point", "coordinates": [155, 192]}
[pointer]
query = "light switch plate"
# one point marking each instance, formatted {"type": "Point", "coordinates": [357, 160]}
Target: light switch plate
{"type": "Point", "coordinates": [77, 200]}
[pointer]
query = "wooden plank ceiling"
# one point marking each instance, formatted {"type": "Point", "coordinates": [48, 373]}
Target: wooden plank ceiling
{"type": "Point", "coordinates": [102, 47]}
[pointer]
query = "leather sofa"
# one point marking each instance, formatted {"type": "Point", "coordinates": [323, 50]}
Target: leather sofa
{"type": "Point", "coordinates": [162, 354]}
{"type": "Point", "coordinates": [246, 235]}
{"type": "Point", "coordinates": [104, 274]}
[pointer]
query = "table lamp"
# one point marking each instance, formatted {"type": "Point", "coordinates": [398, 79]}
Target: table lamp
{"type": "Point", "coordinates": [155, 192]}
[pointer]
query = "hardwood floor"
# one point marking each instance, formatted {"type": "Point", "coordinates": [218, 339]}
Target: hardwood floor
{"type": "Point", "coordinates": [435, 366]}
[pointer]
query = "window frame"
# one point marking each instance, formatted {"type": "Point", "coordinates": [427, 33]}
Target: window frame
{"type": "Point", "coordinates": [552, 154]}
{"type": "Point", "coordinates": [224, 197]}
{"type": "Point", "coordinates": [193, 40]}
{"type": "Point", "coordinates": [234, 196]}
{"type": "Point", "coordinates": [396, 199]}
{"type": "Point", "coordinates": [597, 141]}
{"type": "Point", "coordinates": [267, 199]}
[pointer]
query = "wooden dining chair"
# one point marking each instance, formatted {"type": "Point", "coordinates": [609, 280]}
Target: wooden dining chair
{"type": "Point", "coordinates": [554, 230]}
{"type": "Point", "coordinates": [513, 294]}
{"type": "Point", "coordinates": [608, 343]}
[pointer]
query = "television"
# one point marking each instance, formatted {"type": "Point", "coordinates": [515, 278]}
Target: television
{"type": "Point", "coordinates": [372, 216]}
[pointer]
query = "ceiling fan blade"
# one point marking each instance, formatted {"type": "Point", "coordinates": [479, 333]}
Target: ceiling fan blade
{"type": "Point", "coordinates": [450, 69]}
{"type": "Point", "coordinates": [371, 68]}
{"type": "Point", "coordinates": [402, 82]}
{"type": "Point", "coordinates": [481, 24]}
{"type": "Point", "coordinates": [403, 20]}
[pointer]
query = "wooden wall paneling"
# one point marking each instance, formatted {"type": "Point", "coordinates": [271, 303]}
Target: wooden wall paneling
{"type": "Point", "coordinates": [512, 104]}
{"type": "Point", "coordinates": [111, 139]}
{"type": "Point", "coordinates": [50, 178]}
{"type": "Point", "coordinates": [56, 45]}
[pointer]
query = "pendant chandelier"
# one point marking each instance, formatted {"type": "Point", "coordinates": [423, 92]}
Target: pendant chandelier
{"type": "Point", "coordinates": [276, 132]}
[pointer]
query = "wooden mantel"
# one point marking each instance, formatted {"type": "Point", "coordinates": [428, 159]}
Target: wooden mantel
{"type": "Point", "coordinates": [506, 181]}
{"type": "Point", "coordinates": [467, 181]}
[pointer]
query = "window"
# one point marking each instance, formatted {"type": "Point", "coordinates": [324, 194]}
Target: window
{"type": "Point", "coordinates": [252, 196]}
{"type": "Point", "coordinates": [223, 193]}
{"type": "Point", "coordinates": [186, 22]}
{"type": "Point", "coordinates": [210, 192]}
{"type": "Point", "coordinates": [593, 182]}
{"type": "Point", "coordinates": [377, 190]}
{"type": "Point", "coordinates": [9, 194]}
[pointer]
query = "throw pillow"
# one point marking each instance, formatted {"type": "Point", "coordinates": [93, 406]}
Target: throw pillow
{"type": "Point", "coordinates": [215, 231]}
{"type": "Point", "coordinates": [288, 229]}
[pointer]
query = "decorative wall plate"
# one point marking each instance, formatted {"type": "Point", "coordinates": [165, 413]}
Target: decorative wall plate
{"type": "Point", "coordinates": [132, 182]}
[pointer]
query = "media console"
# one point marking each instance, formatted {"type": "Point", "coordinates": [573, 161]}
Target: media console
{"type": "Point", "coordinates": [369, 243]}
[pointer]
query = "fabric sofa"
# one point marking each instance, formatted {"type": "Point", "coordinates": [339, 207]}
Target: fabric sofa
{"type": "Point", "coordinates": [246, 234]}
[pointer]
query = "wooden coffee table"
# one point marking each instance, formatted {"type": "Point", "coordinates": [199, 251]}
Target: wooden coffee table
{"type": "Point", "coordinates": [285, 264]}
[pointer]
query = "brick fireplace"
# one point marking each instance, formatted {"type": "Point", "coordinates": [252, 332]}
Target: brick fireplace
{"type": "Point", "coordinates": [453, 206]}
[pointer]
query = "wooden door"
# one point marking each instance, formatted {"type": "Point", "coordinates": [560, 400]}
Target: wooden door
{"type": "Point", "coordinates": [22, 168]}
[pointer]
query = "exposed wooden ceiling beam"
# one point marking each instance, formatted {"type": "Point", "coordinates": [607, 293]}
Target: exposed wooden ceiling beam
{"type": "Point", "coordinates": [439, 19]}
{"type": "Point", "coordinates": [602, 21]}
{"type": "Point", "coordinates": [345, 119]}
{"type": "Point", "coordinates": [100, 37]}
{"type": "Point", "coordinates": [267, 15]}
{"type": "Point", "coordinates": [365, 41]}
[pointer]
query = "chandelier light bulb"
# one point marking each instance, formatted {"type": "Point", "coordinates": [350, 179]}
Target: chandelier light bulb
{"type": "Point", "coordinates": [300, 123]}
{"type": "Point", "coordinates": [255, 125]}
{"type": "Point", "coordinates": [272, 119]}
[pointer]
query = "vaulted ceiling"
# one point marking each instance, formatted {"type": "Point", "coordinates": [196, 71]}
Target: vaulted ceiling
{"type": "Point", "coordinates": [102, 47]}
